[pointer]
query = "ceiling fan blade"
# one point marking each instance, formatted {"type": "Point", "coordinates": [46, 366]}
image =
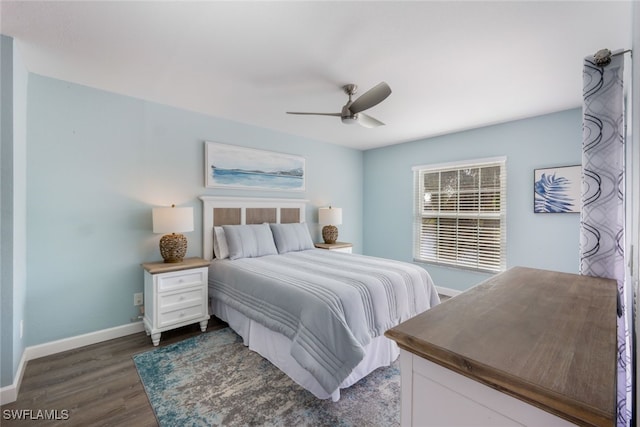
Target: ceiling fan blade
{"type": "Point", "coordinates": [314, 114]}
{"type": "Point", "coordinates": [372, 97]}
{"type": "Point", "coordinates": [368, 121]}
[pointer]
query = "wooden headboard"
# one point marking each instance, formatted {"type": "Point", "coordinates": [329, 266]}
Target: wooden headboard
{"type": "Point", "coordinates": [245, 210]}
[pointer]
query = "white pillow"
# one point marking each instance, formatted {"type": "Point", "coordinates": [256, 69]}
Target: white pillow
{"type": "Point", "coordinates": [249, 241]}
{"type": "Point", "coordinates": [220, 247]}
{"type": "Point", "coordinates": [291, 237]}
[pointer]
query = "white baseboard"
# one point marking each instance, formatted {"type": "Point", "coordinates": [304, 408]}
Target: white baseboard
{"type": "Point", "coordinates": [58, 346]}
{"type": "Point", "coordinates": [448, 291]}
{"type": "Point", "coordinates": [9, 393]}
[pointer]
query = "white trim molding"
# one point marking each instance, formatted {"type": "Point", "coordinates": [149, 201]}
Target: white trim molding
{"type": "Point", "coordinates": [9, 393]}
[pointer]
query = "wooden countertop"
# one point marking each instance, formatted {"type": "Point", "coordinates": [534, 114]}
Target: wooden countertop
{"type": "Point", "coordinates": [544, 337]}
{"type": "Point", "coordinates": [336, 245]}
{"type": "Point", "coordinates": [165, 267]}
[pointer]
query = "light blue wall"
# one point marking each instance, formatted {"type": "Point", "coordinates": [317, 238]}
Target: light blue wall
{"type": "Point", "coordinates": [98, 162]}
{"type": "Point", "coordinates": [546, 241]}
{"type": "Point", "coordinates": [14, 77]}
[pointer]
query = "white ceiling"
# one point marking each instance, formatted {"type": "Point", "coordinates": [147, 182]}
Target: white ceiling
{"type": "Point", "coordinates": [451, 65]}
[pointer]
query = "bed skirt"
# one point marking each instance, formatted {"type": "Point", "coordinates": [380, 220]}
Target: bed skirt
{"type": "Point", "coordinates": [274, 347]}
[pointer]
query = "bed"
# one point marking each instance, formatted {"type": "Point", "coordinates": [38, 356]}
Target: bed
{"type": "Point", "coordinates": [317, 315]}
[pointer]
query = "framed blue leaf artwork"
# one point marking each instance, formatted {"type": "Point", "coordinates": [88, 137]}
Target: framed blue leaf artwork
{"type": "Point", "coordinates": [557, 190]}
{"type": "Point", "coordinates": [232, 166]}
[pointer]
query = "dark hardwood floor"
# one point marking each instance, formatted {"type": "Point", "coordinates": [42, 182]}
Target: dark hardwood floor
{"type": "Point", "coordinates": [96, 385]}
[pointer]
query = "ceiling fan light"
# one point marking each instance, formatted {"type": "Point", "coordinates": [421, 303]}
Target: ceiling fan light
{"type": "Point", "coordinates": [350, 120]}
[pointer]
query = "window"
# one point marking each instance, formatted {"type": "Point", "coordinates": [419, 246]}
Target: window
{"type": "Point", "coordinates": [461, 214]}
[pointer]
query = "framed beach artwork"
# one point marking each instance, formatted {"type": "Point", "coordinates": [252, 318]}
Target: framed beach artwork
{"type": "Point", "coordinates": [231, 166]}
{"type": "Point", "coordinates": [557, 190]}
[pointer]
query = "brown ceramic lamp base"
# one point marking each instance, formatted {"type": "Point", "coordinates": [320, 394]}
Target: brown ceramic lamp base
{"type": "Point", "coordinates": [330, 234]}
{"type": "Point", "coordinates": [173, 247]}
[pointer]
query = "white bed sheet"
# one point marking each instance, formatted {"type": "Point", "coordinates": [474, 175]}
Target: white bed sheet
{"type": "Point", "coordinates": [274, 347]}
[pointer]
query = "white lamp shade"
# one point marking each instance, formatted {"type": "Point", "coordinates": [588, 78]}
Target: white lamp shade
{"type": "Point", "coordinates": [330, 216]}
{"type": "Point", "coordinates": [172, 220]}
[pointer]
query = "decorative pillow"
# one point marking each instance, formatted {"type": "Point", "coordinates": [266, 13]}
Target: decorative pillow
{"type": "Point", "coordinates": [291, 237]}
{"type": "Point", "coordinates": [249, 241]}
{"type": "Point", "coordinates": [220, 248]}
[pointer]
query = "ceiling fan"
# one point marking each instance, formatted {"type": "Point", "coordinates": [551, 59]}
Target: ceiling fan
{"type": "Point", "coordinates": [352, 112]}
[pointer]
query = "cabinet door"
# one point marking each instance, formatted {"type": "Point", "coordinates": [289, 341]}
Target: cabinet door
{"type": "Point", "coordinates": [438, 396]}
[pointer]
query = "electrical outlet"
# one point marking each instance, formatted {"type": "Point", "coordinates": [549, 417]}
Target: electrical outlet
{"type": "Point", "coordinates": [137, 299]}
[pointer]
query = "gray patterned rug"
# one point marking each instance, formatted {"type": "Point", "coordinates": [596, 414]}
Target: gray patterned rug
{"type": "Point", "coordinates": [213, 379]}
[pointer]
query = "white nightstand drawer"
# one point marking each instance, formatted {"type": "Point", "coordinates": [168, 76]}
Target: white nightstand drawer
{"type": "Point", "coordinates": [180, 315]}
{"type": "Point", "coordinates": [175, 281]}
{"type": "Point", "coordinates": [167, 302]}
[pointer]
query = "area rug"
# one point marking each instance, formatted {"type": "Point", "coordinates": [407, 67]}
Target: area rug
{"type": "Point", "coordinates": [213, 379]}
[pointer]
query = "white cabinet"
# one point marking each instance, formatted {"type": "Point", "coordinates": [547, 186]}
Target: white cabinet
{"type": "Point", "coordinates": [526, 347]}
{"type": "Point", "coordinates": [432, 395]}
{"type": "Point", "coordinates": [175, 295]}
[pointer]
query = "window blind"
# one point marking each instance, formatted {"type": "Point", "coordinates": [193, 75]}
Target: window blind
{"type": "Point", "coordinates": [460, 214]}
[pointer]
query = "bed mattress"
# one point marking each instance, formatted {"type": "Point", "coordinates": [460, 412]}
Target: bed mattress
{"type": "Point", "coordinates": [319, 312]}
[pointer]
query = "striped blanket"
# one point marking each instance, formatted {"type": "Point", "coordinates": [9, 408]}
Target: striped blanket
{"type": "Point", "coordinates": [329, 304]}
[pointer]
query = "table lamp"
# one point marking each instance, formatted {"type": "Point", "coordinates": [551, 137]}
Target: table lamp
{"type": "Point", "coordinates": [330, 217]}
{"type": "Point", "coordinates": [173, 247]}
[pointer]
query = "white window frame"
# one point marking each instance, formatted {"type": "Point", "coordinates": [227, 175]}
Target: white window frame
{"type": "Point", "coordinates": [474, 259]}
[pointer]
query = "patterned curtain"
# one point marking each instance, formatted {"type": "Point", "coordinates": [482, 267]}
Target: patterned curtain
{"type": "Point", "coordinates": [602, 221]}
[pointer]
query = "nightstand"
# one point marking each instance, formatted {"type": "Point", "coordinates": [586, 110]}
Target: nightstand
{"type": "Point", "coordinates": [175, 295]}
{"type": "Point", "coordinates": [337, 246]}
